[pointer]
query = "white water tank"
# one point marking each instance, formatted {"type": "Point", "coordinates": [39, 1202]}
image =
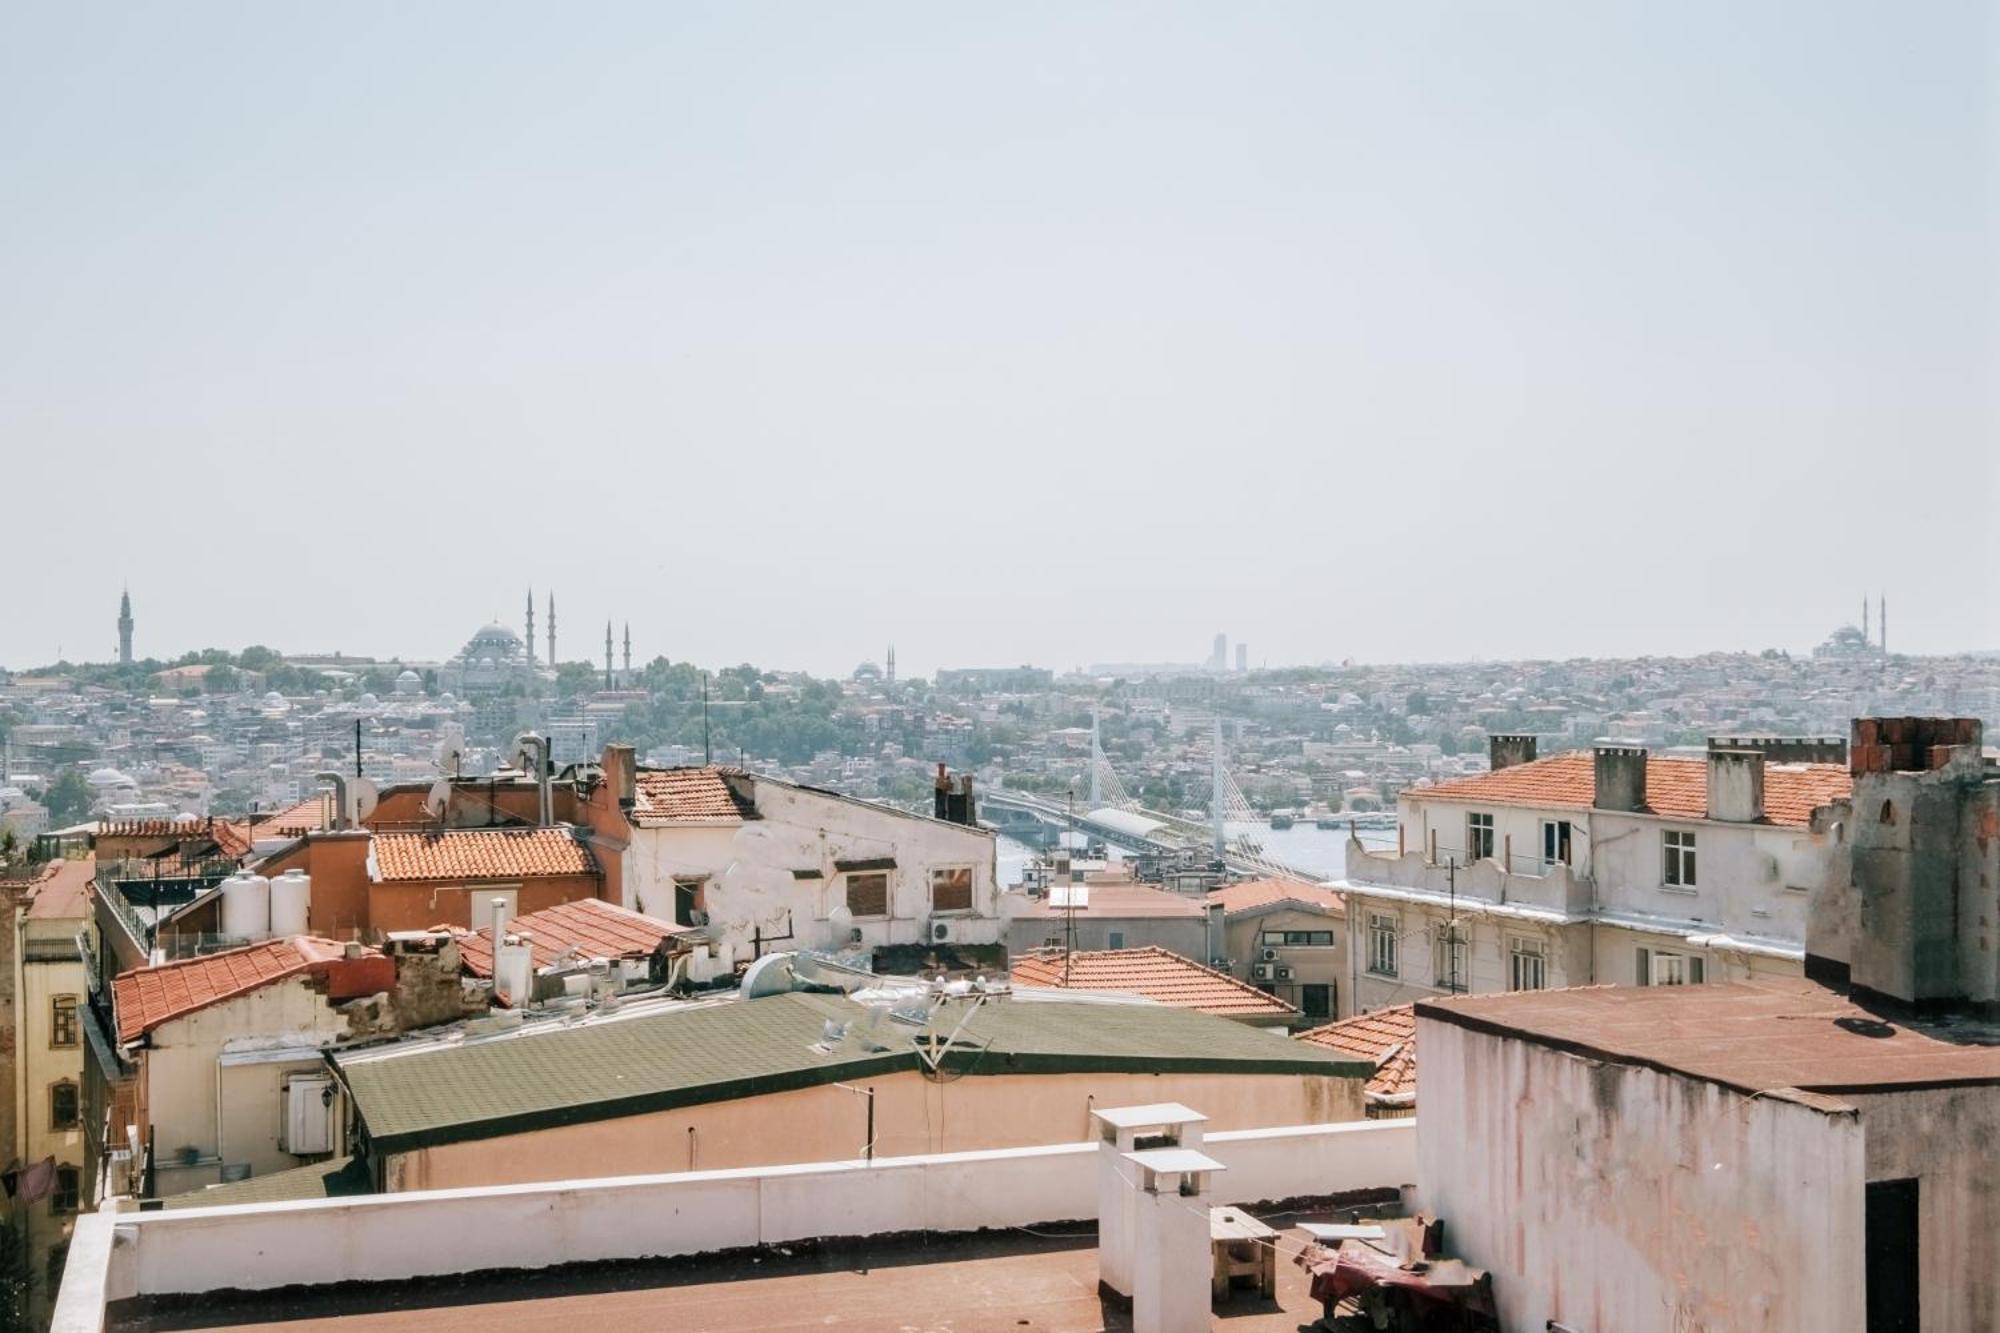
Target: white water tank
{"type": "Point", "coordinates": [291, 900]}
{"type": "Point", "coordinates": [246, 907]}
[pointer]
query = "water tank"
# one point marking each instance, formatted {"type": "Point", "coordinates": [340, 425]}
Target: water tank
{"type": "Point", "coordinates": [246, 907]}
{"type": "Point", "coordinates": [291, 897]}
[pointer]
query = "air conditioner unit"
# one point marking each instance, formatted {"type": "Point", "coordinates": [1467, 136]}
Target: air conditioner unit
{"type": "Point", "coordinates": [854, 936]}
{"type": "Point", "coordinates": [1270, 955]}
{"type": "Point", "coordinates": [1283, 973]}
{"type": "Point", "coordinates": [1261, 971]}
{"type": "Point", "coordinates": [940, 931]}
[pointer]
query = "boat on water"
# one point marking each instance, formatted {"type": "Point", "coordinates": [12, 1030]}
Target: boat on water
{"type": "Point", "coordinates": [1326, 821]}
{"type": "Point", "coordinates": [1282, 819]}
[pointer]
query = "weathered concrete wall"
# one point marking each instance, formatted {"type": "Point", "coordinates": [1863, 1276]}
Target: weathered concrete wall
{"type": "Point", "coordinates": [1944, 1138]}
{"type": "Point", "coordinates": [1616, 1198]}
{"type": "Point", "coordinates": [912, 1116]}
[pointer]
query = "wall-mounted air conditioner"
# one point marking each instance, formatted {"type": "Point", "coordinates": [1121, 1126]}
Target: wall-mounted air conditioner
{"type": "Point", "coordinates": [1270, 955]}
{"type": "Point", "coordinates": [1283, 973]}
{"type": "Point", "coordinates": [1261, 971]}
{"type": "Point", "coordinates": [940, 931]}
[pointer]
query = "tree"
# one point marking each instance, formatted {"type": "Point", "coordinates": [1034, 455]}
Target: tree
{"type": "Point", "coordinates": [68, 798]}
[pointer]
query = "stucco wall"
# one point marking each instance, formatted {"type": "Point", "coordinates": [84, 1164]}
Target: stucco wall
{"type": "Point", "coordinates": [1186, 936]}
{"type": "Point", "coordinates": [912, 1116]}
{"type": "Point", "coordinates": [1617, 1199]}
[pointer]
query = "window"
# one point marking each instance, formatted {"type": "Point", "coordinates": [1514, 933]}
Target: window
{"type": "Point", "coordinates": [1479, 837]}
{"type": "Point", "coordinates": [1316, 1001]}
{"type": "Point", "coordinates": [1527, 965]}
{"type": "Point", "coordinates": [62, 1021]}
{"type": "Point", "coordinates": [1382, 944]}
{"type": "Point", "coordinates": [1448, 957]}
{"type": "Point", "coordinates": [951, 890]}
{"type": "Point", "coordinates": [1555, 843]}
{"type": "Point", "coordinates": [1115, 940]}
{"type": "Point", "coordinates": [1297, 939]}
{"type": "Point", "coordinates": [868, 893]}
{"type": "Point", "coordinates": [64, 1200]}
{"type": "Point", "coordinates": [689, 899]}
{"type": "Point", "coordinates": [1678, 849]}
{"type": "Point", "coordinates": [64, 1112]}
{"type": "Point", "coordinates": [1659, 968]}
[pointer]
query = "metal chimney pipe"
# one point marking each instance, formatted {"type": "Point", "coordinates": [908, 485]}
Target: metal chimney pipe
{"type": "Point", "coordinates": [339, 783]}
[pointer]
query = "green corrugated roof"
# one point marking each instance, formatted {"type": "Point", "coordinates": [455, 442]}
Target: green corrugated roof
{"type": "Point", "coordinates": [608, 1067]}
{"type": "Point", "coordinates": [331, 1179]}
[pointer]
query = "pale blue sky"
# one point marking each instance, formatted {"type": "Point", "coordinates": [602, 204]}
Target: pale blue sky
{"type": "Point", "coordinates": [1055, 332]}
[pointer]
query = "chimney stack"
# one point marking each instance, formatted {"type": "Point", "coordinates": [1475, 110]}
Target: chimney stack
{"type": "Point", "coordinates": [1507, 750]}
{"type": "Point", "coordinates": [621, 770]}
{"type": "Point", "coordinates": [1620, 771]}
{"type": "Point", "coordinates": [1787, 749]}
{"type": "Point", "coordinates": [1735, 785]}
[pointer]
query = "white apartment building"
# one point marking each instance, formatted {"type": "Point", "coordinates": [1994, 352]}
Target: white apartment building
{"type": "Point", "coordinates": [1598, 866]}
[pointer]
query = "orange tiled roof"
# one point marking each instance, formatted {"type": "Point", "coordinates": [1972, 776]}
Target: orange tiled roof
{"type": "Point", "coordinates": [63, 891]}
{"type": "Point", "coordinates": [1676, 788]}
{"type": "Point", "coordinates": [598, 930]}
{"type": "Point", "coordinates": [686, 795]}
{"type": "Point", "coordinates": [294, 821]}
{"type": "Point", "coordinates": [148, 996]}
{"type": "Point", "coordinates": [1257, 894]}
{"type": "Point", "coordinates": [487, 853]}
{"type": "Point", "coordinates": [1152, 972]}
{"type": "Point", "coordinates": [1388, 1037]}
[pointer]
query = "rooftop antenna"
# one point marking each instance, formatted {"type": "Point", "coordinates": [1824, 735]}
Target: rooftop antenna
{"type": "Point", "coordinates": [707, 755]}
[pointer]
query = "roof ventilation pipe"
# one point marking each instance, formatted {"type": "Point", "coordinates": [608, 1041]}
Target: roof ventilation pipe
{"type": "Point", "coordinates": [526, 744]}
{"type": "Point", "coordinates": [338, 781]}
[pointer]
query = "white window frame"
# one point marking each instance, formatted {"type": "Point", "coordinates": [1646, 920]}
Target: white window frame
{"type": "Point", "coordinates": [1527, 963]}
{"type": "Point", "coordinates": [1558, 848]}
{"type": "Point", "coordinates": [1479, 842]}
{"type": "Point", "coordinates": [1678, 865]}
{"type": "Point", "coordinates": [1384, 944]}
{"type": "Point", "coordinates": [1668, 967]}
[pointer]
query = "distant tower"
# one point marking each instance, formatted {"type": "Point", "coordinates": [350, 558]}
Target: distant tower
{"type": "Point", "coordinates": [892, 664]}
{"type": "Point", "coordinates": [531, 627]}
{"type": "Point", "coordinates": [1242, 659]}
{"type": "Point", "coordinates": [125, 628]}
{"type": "Point", "coordinates": [552, 630]}
{"type": "Point", "coordinates": [1864, 618]}
{"type": "Point", "coordinates": [628, 652]}
{"type": "Point", "coordinates": [607, 655]}
{"type": "Point", "coordinates": [1884, 627]}
{"type": "Point", "coordinates": [1218, 660]}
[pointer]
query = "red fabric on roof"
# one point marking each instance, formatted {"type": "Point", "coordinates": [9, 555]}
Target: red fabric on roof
{"type": "Point", "coordinates": [1388, 1037]}
{"type": "Point", "coordinates": [63, 891]}
{"type": "Point", "coordinates": [146, 997]}
{"type": "Point", "coordinates": [598, 930]}
{"type": "Point", "coordinates": [1154, 973]}
{"type": "Point", "coordinates": [1676, 788]}
{"type": "Point", "coordinates": [686, 795]}
{"type": "Point", "coordinates": [499, 853]}
{"type": "Point", "coordinates": [1258, 894]}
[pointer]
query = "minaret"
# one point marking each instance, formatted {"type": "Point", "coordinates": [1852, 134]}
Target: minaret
{"type": "Point", "coordinates": [1864, 618]}
{"type": "Point", "coordinates": [531, 627]}
{"type": "Point", "coordinates": [628, 652]}
{"type": "Point", "coordinates": [607, 654]}
{"type": "Point", "coordinates": [1884, 627]}
{"type": "Point", "coordinates": [892, 664]}
{"type": "Point", "coordinates": [552, 631]}
{"type": "Point", "coordinates": [125, 628]}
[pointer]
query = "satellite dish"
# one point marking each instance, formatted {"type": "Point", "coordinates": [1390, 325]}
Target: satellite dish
{"type": "Point", "coordinates": [438, 798]}
{"type": "Point", "coordinates": [361, 798]}
{"type": "Point", "coordinates": [769, 975]}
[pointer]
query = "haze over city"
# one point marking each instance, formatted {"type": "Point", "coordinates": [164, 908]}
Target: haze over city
{"type": "Point", "coordinates": [1065, 336]}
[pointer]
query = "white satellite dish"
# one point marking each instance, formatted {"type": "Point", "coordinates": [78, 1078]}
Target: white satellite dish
{"type": "Point", "coordinates": [438, 798]}
{"type": "Point", "coordinates": [361, 798]}
{"type": "Point", "coordinates": [769, 975]}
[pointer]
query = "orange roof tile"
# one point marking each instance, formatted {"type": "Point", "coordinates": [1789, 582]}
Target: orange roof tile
{"type": "Point", "coordinates": [294, 821]}
{"type": "Point", "coordinates": [1675, 787]}
{"type": "Point", "coordinates": [686, 795]}
{"type": "Point", "coordinates": [596, 928]}
{"type": "Point", "coordinates": [1154, 973]}
{"type": "Point", "coordinates": [148, 996]}
{"type": "Point", "coordinates": [1388, 1037]}
{"type": "Point", "coordinates": [487, 853]}
{"type": "Point", "coordinates": [63, 891]}
{"type": "Point", "coordinates": [1257, 895]}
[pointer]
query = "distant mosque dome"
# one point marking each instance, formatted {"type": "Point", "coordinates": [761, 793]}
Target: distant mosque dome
{"type": "Point", "coordinates": [409, 682]}
{"type": "Point", "coordinates": [275, 702]}
{"type": "Point", "coordinates": [187, 817]}
{"type": "Point", "coordinates": [367, 701]}
{"type": "Point", "coordinates": [110, 777]}
{"type": "Point", "coordinates": [867, 671]}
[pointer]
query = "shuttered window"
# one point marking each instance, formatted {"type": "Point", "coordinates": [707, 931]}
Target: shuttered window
{"type": "Point", "coordinates": [951, 889]}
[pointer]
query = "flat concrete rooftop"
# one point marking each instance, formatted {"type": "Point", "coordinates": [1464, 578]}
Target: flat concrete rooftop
{"type": "Point", "coordinates": [977, 1283]}
{"type": "Point", "coordinates": [1753, 1036]}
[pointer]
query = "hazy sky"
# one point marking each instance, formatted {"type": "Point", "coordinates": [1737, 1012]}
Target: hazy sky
{"type": "Point", "coordinates": [1055, 333]}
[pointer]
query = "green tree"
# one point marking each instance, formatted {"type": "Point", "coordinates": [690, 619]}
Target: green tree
{"type": "Point", "coordinates": [68, 798]}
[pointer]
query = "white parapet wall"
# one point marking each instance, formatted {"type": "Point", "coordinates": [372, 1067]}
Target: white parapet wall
{"type": "Point", "coordinates": [389, 1237]}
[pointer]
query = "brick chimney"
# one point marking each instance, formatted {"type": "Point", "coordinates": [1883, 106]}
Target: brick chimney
{"type": "Point", "coordinates": [1787, 749]}
{"type": "Point", "coordinates": [1736, 785]}
{"type": "Point", "coordinates": [1505, 751]}
{"type": "Point", "coordinates": [1621, 776]}
{"type": "Point", "coordinates": [621, 771]}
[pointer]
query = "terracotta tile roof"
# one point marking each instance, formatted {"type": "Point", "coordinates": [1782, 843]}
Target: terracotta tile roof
{"type": "Point", "coordinates": [148, 996]}
{"type": "Point", "coordinates": [1675, 787]}
{"type": "Point", "coordinates": [461, 854]}
{"type": "Point", "coordinates": [294, 821]}
{"type": "Point", "coordinates": [1258, 895]}
{"type": "Point", "coordinates": [1388, 1037]}
{"type": "Point", "coordinates": [598, 930]}
{"type": "Point", "coordinates": [1155, 973]}
{"type": "Point", "coordinates": [686, 795]}
{"type": "Point", "coordinates": [63, 891]}
{"type": "Point", "coordinates": [1119, 900]}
